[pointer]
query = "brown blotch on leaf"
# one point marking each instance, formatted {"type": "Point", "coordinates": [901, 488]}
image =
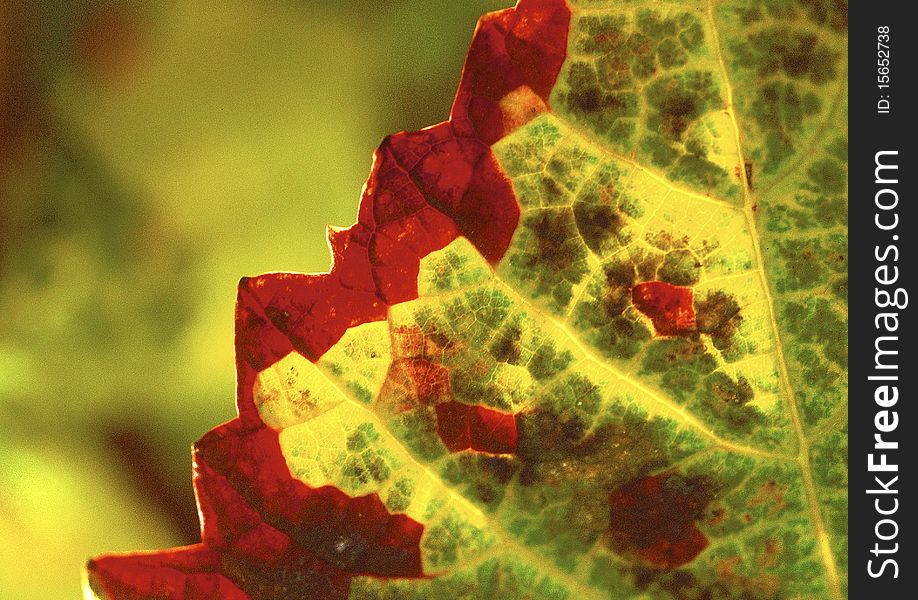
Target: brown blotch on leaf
{"type": "Point", "coordinates": [507, 346]}
{"type": "Point", "coordinates": [770, 552]}
{"type": "Point", "coordinates": [718, 315]}
{"type": "Point", "coordinates": [653, 519]}
{"type": "Point", "coordinates": [685, 585]}
{"type": "Point", "coordinates": [597, 223]}
{"type": "Point", "coordinates": [737, 585]}
{"type": "Point", "coordinates": [501, 468]}
{"type": "Point", "coordinates": [718, 516]}
{"type": "Point", "coordinates": [551, 230]}
{"type": "Point", "coordinates": [666, 241]}
{"type": "Point", "coordinates": [730, 399]}
{"type": "Point", "coordinates": [770, 493]}
{"type": "Point", "coordinates": [677, 111]}
{"type": "Point", "coordinates": [555, 449]}
{"type": "Point", "coordinates": [619, 277]}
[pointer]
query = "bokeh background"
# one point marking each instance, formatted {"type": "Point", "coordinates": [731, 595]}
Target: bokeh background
{"type": "Point", "coordinates": [151, 154]}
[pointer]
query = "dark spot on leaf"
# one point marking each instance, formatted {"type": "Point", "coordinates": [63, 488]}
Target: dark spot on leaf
{"type": "Point", "coordinates": [487, 493]}
{"type": "Point", "coordinates": [280, 318]}
{"type": "Point", "coordinates": [506, 345]}
{"type": "Point", "coordinates": [718, 315]}
{"type": "Point", "coordinates": [780, 111]}
{"type": "Point", "coordinates": [603, 317]}
{"type": "Point", "coordinates": [586, 99]}
{"type": "Point", "coordinates": [300, 576]}
{"type": "Point", "coordinates": [718, 516]}
{"type": "Point", "coordinates": [555, 448]}
{"type": "Point", "coordinates": [501, 467]}
{"type": "Point", "coordinates": [597, 223]}
{"type": "Point", "coordinates": [677, 111]}
{"type": "Point", "coordinates": [600, 101]}
{"type": "Point", "coordinates": [770, 494]}
{"type": "Point", "coordinates": [831, 13]}
{"type": "Point", "coordinates": [796, 54]}
{"type": "Point", "coordinates": [547, 361]}
{"type": "Point", "coordinates": [728, 399]}
{"type": "Point", "coordinates": [619, 277]}
{"type": "Point", "coordinates": [357, 535]}
{"type": "Point", "coordinates": [828, 175]}
{"type": "Point", "coordinates": [549, 254]}
{"type": "Point", "coordinates": [653, 519]}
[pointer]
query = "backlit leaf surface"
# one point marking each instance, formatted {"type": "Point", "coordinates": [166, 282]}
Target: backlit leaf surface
{"type": "Point", "coordinates": [585, 340]}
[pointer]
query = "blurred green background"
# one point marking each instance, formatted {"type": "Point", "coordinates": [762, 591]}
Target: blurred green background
{"type": "Point", "coordinates": [151, 154]}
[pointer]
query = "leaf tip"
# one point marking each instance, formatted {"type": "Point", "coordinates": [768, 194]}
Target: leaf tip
{"type": "Point", "coordinates": [93, 580]}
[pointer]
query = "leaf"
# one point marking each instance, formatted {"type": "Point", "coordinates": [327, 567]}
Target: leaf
{"type": "Point", "coordinates": [585, 340]}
